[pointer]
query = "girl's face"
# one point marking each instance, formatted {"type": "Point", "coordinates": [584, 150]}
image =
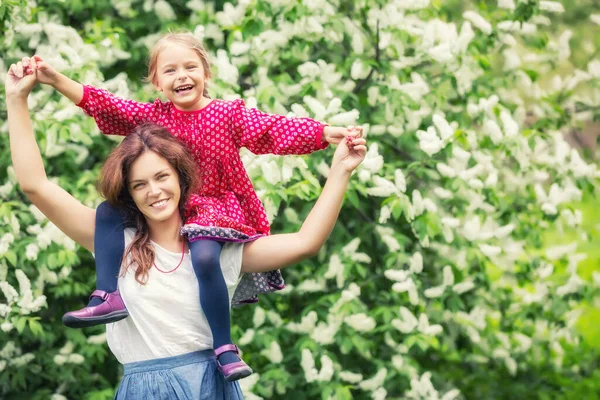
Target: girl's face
{"type": "Point", "coordinates": [181, 77]}
{"type": "Point", "coordinates": [154, 186]}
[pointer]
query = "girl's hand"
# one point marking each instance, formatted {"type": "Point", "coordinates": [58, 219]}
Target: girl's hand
{"type": "Point", "coordinates": [44, 71]}
{"type": "Point", "coordinates": [18, 82]}
{"type": "Point", "coordinates": [336, 134]}
{"type": "Point", "coordinates": [349, 153]}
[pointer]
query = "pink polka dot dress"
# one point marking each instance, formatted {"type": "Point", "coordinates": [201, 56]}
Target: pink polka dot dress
{"type": "Point", "coordinates": [226, 207]}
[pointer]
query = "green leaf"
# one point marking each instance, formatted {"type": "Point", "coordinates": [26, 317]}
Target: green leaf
{"type": "Point", "coordinates": [35, 327]}
{"type": "Point", "coordinates": [353, 198]}
{"type": "Point", "coordinates": [20, 324]}
{"type": "Point", "coordinates": [11, 257]}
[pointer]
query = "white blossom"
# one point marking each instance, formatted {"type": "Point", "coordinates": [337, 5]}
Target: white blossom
{"type": "Point", "coordinates": [360, 322]}
{"type": "Point", "coordinates": [463, 287]}
{"type": "Point", "coordinates": [76, 358]}
{"type": "Point", "coordinates": [443, 193]}
{"type": "Point", "coordinates": [491, 128]}
{"type": "Point", "coordinates": [556, 252]}
{"type": "Point", "coordinates": [247, 337]}
{"type": "Point", "coordinates": [478, 21]}
{"type": "Point", "coordinates": [572, 286]}
{"type": "Point", "coordinates": [417, 203]}
{"type": "Point", "coordinates": [407, 286]}
{"type": "Point", "coordinates": [306, 325]}
{"type": "Point", "coordinates": [345, 118]}
{"type": "Point", "coordinates": [375, 382]}
{"type": "Point", "coordinates": [226, 71]}
{"type": "Point", "coordinates": [259, 317]}
{"type": "Point", "coordinates": [60, 359]}
{"type": "Point", "coordinates": [10, 293]}
{"type": "Point", "coordinates": [311, 286]}
{"type": "Point", "coordinates": [511, 128]}
{"type": "Point", "coordinates": [416, 263]}
{"type": "Point", "coordinates": [6, 326]}
{"type": "Point", "coordinates": [400, 180]}
{"type": "Point", "coordinates": [97, 339]}
{"type": "Point", "coordinates": [429, 141]}
{"type": "Point", "coordinates": [273, 353]}
{"type": "Point", "coordinates": [350, 377]}
{"type": "Point", "coordinates": [22, 360]}
{"type": "Point", "coordinates": [508, 4]}
{"type": "Point", "coordinates": [448, 275]}
{"type": "Point", "coordinates": [383, 188]}
{"type": "Point", "coordinates": [490, 251]}
{"type": "Point", "coordinates": [434, 292]}
{"type": "Point", "coordinates": [552, 6]}
{"type": "Point", "coordinates": [446, 170]}
{"type": "Point", "coordinates": [4, 310]}
{"type": "Point", "coordinates": [396, 275]}
{"type": "Point", "coordinates": [164, 10]}
{"type": "Point", "coordinates": [327, 369]}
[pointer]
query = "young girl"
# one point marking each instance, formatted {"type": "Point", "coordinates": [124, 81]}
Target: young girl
{"type": "Point", "coordinates": [165, 345]}
{"type": "Point", "coordinates": [225, 209]}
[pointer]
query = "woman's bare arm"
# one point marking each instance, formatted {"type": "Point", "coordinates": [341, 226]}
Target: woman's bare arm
{"type": "Point", "coordinates": [278, 251]}
{"type": "Point", "coordinates": [67, 213]}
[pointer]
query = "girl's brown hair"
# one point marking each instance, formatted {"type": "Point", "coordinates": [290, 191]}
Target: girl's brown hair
{"type": "Point", "coordinates": [114, 180]}
{"type": "Point", "coordinates": [187, 39]}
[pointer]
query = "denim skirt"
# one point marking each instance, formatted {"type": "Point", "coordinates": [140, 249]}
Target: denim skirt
{"type": "Point", "coordinates": [191, 376]}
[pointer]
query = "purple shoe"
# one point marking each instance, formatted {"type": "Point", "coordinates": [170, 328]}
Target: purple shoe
{"type": "Point", "coordinates": [111, 310]}
{"type": "Point", "coordinates": [235, 370]}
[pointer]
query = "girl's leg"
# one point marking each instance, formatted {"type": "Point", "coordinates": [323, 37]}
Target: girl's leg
{"type": "Point", "coordinates": [109, 247]}
{"type": "Point", "coordinates": [105, 304]}
{"type": "Point", "coordinates": [214, 298]}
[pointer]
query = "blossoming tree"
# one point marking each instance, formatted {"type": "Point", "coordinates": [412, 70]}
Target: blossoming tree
{"type": "Point", "coordinates": [437, 282]}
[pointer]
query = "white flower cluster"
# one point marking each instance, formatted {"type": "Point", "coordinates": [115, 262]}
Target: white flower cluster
{"type": "Point", "coordinates": [432, 141]}
{"type": "Point", "coordinates": [421, 388]}
{"type": "Point", "coordinates": [66, 356]}
{"type": "Point", "coordinates": [407, 323]}
{"type": "Point", "coordinates": [12, 356]}
{"type": "Point", "coordinates": [25, 299]}
{"type": "Point", "coordinates": [311, 373]}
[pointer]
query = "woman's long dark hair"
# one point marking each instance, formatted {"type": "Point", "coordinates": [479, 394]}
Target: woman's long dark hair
{"type": "Point", "coordinates": [114, 180]}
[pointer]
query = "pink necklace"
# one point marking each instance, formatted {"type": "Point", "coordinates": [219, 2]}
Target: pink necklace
{"type": "Point", "coordinates": [178, 265]}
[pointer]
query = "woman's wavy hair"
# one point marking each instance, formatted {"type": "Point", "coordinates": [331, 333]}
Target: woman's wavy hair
{"type": "Point", "coordinates": [113, 186]}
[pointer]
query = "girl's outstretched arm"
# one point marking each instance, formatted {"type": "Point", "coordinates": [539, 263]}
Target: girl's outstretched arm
{"type": "Point", "coordinates": [67, 213]}
{"type": "Point", "coordinates": [45, 73]}
{"type": "Point", "coordinates": [278, 251]}
{"type": "Point", "coordinates": [114, 115]}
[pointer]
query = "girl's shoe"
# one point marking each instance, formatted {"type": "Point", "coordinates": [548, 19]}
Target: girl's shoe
{"type": "Point", "coordinates": [111, 310]}
{"type": "Point", "coordinates": [235, 370]}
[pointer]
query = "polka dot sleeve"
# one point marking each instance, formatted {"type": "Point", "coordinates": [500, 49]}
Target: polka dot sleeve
{"type": "Point", "coordinates": [263, 133]}
{"type": "Point", "coordinates": [113, 115]}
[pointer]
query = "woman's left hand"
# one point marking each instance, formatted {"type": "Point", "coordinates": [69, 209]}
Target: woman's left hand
{"type": "Point", "coordinates": [350, 153]}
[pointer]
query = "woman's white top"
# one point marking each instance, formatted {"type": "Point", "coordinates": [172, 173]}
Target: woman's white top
{"type": "Point", "coordinates": [165, 317]}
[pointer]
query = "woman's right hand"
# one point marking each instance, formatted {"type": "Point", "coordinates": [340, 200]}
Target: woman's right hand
{"type": "Point", "coordinates": [18, 82]}
{"type": "Point", "coordinates": [45, 72]}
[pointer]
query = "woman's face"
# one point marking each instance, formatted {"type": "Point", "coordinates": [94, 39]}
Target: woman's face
{"type": "Point", "coordinates": [154, 187]}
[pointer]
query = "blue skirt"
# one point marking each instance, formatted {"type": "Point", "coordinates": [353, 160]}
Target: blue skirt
{"type": "Point", "coordinates": [191, 376]}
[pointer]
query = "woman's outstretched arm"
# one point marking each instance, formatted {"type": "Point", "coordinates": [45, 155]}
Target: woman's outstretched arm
{"type": "Point", "coordinates": [67, 213]}
{"type": "Point", "coordinates": [278, 251]}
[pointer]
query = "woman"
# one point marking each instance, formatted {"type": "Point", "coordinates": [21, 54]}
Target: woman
{"type": "Point", "coordinates": [165, 345]}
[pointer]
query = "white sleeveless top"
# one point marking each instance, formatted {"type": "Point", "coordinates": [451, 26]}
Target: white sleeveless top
{"type": "Point", "coordinates": [165, 317]}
